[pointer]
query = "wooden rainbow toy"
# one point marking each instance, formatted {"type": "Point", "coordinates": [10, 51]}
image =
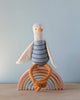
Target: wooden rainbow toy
{"type": "Point", "coordinates": [55, 82]}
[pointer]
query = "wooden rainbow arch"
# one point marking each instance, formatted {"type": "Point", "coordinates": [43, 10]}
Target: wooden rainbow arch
{"type": "Point", "coordinates": [55, 82]}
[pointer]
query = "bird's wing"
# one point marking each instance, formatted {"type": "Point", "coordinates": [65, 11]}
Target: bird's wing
{"type": "Point", "coordinates": [26, 55]}
{"type": "Point", "coordinates": [50, 55]}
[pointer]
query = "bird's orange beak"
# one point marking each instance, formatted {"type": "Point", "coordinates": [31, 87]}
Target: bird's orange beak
{"type": "Point", "coordinates": [40, 30]}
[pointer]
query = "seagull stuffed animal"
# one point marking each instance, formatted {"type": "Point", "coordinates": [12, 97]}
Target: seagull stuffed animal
{"type": "Point", "coordinates": [39, 52]}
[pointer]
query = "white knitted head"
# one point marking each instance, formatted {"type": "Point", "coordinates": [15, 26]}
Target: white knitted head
{"type": "Point", "coordinates": [38, 32]}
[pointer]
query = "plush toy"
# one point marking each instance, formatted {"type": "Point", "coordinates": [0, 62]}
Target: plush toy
{"type": "Point", "coordinates": [39, 52]}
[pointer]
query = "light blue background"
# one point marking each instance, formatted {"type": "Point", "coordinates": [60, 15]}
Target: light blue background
{"type": "Point", "coordinates": [61, 21]}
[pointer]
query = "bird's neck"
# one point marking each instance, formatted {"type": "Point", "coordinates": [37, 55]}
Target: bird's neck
{"type": "Point", "coordinates": [38, 36]}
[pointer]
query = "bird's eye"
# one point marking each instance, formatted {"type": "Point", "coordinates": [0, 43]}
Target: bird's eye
{"type": "Point", "coordinates": [35, 28]}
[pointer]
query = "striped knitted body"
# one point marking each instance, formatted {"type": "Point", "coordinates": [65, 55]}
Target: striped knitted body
{"type": "Point", "coordinates": [39, 54]}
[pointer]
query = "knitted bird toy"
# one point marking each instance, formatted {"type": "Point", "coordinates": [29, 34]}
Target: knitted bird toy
{"type": "Point", "coordinates": [39, 52]}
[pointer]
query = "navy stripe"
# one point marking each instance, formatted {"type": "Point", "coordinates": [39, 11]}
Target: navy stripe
{"type": "Point", "coordinates": [40, 58]}
{"type": "Point", "coordinates": [39, 54]}
{"type": "Point", "coordinates": [38, 49]}
{"type": "Point", "coordinates": [39, 44]}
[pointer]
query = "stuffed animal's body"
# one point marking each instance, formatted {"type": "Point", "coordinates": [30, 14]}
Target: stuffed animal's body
{"type": "Point", "coordinates": [39, 54]}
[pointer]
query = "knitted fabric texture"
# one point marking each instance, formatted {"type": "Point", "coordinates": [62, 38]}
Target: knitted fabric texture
{"type": "Point", "coordinates": [39, 54]}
